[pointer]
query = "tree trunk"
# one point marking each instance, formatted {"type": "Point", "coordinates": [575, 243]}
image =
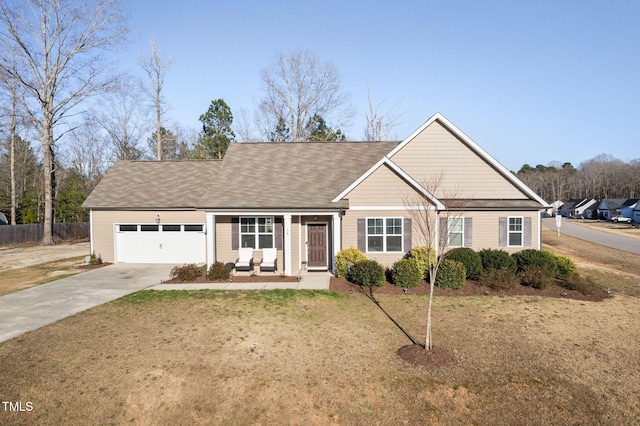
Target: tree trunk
{"type": "Point", "coordinates": [428, 344]}
{"type": "Point", "coordinates": [47, 155]}
{"type": "Point", "coordinates": [12, 159]}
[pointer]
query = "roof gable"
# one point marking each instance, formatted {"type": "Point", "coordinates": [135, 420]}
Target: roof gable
{"type": "Point", "coordinates": [439, 147]}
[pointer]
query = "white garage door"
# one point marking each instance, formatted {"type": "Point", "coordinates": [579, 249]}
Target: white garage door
{"type": "Point", "coordinates": [185, 243]}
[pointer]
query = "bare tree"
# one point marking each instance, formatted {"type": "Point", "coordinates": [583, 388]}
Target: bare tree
{"type": "Point", "coordinates": [155, 67]}
{"type": "Point", "coordinates": [11, 87]}
{"type": "Point", "coordinates": [432, 225]}
{"type": "Point", "coordinates": [86, 151]}
{"type": "Point", "coordinates": [52, 48]}
{"type": "Point", "coordinates": [121, 115]}
{"type": "Point", "coordinates": [298, 86]}
{"type": "Point", "coordinates": [378, 125]}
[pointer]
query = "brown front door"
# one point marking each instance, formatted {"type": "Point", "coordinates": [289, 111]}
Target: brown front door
{"type": "Point", "coordinates": [317, 249]}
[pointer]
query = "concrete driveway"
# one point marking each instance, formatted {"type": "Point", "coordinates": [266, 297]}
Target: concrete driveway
{"type": "Point", "coordinates": [38, 306]}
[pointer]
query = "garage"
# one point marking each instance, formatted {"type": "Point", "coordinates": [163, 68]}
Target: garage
{"type": "Point", "coordinates": [166, 243]}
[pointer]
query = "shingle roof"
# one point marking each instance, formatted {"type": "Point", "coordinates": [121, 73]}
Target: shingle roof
{"type": "Point", "coordinates": [251, 175]}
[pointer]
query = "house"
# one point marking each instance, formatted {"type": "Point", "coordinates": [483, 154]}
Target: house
{"type": "Point", "coordinates": [577, 207]}
{"type": "Point", "coordinates": [636, 213]}
{"type": "Point", "coordinates": [610, 207]}
{"type": "Point", "coordinates": [309, 200]}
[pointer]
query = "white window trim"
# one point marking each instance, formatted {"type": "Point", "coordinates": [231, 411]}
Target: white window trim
{"type": "Point", "coordinates": [450, 227]}
{"type": "Point", "coordinates": [257, 232]}
{"type": "Point", "coordinates": [384, 234]}
{"type": "Point", "coordinates": [509, 231]}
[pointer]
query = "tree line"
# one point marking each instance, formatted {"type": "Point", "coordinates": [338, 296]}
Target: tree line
{"type": "Point", "coordinates": [600, 177]}
{"type": "Point", "coordinates": [58, 90]}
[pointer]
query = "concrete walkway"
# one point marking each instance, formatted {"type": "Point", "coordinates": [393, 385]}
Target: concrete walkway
{"type": "Point", "coordinates": [35, 307]}
{"type": "Point", "coordinates": [308, 281]}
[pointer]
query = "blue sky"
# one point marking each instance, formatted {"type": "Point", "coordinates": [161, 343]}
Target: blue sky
{"type": "Point", "coordinates": [530, 82]}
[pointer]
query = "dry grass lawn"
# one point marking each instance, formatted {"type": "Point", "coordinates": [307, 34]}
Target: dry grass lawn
{"type": "Point", "coordinates": [330, 358]}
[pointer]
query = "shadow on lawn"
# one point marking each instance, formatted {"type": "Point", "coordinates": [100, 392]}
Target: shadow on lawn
{"type": "Point", "coordinates": [370, 295]}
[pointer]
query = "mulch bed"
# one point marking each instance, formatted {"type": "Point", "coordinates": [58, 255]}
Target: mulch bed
{"type": "Point", "coordinates": [471, 288]}
{"type": "Point", "coordinates": [240, 279]}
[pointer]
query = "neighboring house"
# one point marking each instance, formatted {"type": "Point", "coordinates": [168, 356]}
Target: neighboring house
{"type": "Point", "coordinates": [636, 213]}
{"type": "Point", "coordinates": [3, 219]}
{"type": "Point", "coordinates": [310, 200]}
{"type": "Point", "coordinates": [577, 207]}
{"type": "Point", "coordinates": [555, 208]}
{"type": "Point", "coordinates": [627, 208]}
{"type": "Point", "coordinates": [610, 207]}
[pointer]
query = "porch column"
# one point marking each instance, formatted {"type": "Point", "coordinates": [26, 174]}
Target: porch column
{"type": "Point", "coordinates": [211, 239]}
{"type": "Point", "coordinates": [336, 243]}
{"type": "Point", "coordinates": [287, 245]}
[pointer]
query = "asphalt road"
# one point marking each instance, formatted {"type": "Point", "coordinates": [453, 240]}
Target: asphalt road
{"type": "Point", "coordinates": [603, 238]}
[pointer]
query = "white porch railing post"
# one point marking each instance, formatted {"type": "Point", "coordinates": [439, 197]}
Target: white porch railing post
{"type": "Point", "coordinates": [287, 244]}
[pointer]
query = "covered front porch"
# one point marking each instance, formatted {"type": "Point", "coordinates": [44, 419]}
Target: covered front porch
{"type": "Point", "coordinates": [304, 240]}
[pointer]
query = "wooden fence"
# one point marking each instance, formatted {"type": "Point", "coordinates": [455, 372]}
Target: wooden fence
{"type": "Point", "coordinates": [33, 233]}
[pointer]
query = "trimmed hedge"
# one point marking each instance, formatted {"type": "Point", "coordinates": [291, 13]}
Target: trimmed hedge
{"type": "Point", "coordinates": [565, 267]}
{"type": "Point", "coordinates": [345, 256]}
{"type": "Point", "coordinates": [406, 273]}
{"type": "Point", "coordinates": [469, 258]}
{"type": "Point", "coordinates": [451, 274]}
{"type": "Point", "coordinates": [497, 259]}
{"type": "Point", "coordinates": [422, 257]}
{"type": "Point", "coordinates": [367, 273]}
{"type": "Point", "coordinates": [532, 257]}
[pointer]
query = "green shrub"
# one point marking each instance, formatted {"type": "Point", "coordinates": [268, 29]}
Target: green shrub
{"type": "Point", "coordinates": [536, 276]}
{"type": "Point", "coordinates": [423, 257]}
{"type": "Point", "coordinates": [497, 259]}
{"type": "Point", "coordinates": [218, 272]}
{"type": "Point", "coordinates": [406, 273]}
{"type": "Point", "coordinates": [469, 258]}
{"type": "Point", "coordinates": [565, 267]}
{"type": "Point", "coordinates": [531, 257]}
{"type": "Point", "coordinates": [368, 273]}
{"type": "Point", "coordinates": [186, 272]}
{"type": "Point", "coordinates": [451, 274]}
{"type": "Point", "coordinates": [95, 260]}
{"type": "Point", "coordinates": [344, 257]}
{"type": "Point", "coordinates": [498, 279]}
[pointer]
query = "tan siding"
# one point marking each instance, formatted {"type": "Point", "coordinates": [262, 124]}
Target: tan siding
{"type": "Point", "coordinates": [485, 231]}
{"type": "Point", "coordinates": [382, 188]}
{"type": "Point", "coordinates": [437, 152]}
{"type": "Point", "coordinates": [103, 223]}
{"type": "Point", "coordinates": [350, 232]}
{"type": "Point", "coordinates": [226, 254]}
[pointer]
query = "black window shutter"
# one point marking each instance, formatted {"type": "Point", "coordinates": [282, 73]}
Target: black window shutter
{"type": "Point", "coordinates": [406, 229]}
{"type": "Point", "coordinates": [362, 235]}
{"type": "Point", "coordinates": [502, 231]}
{"type": "Point", "coordinates": [235, 233]}
{"type": "Point", "coordinates": [278, 229]}
{"type": "Point", "coordinates": [468, 231]}
{"type": "Point", "coordinates": [526, 231]}
{"type": "Point", "coordinates": [444, 232]}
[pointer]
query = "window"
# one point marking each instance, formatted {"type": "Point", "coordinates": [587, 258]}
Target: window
{"type": "Point", "coordinates": [170, 228]}
{"type": "Point", "coordinates": [193, 228]}
{"type": "Point", "coordinates": [384, 234]}
{"type": "Point", "coordinates": [456, 232]}
{"type": "Point", "coordinates": [515, 231]}
{"type": "Point", "coordinates": [128, 228]}
{"type": "Point", "coordinates": [256, 232]}
{"type": "Point", "coordinates": [149, 228]}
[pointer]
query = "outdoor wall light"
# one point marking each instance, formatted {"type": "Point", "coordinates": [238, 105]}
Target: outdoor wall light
{"type": "Point", "coordinates": [158, 218]}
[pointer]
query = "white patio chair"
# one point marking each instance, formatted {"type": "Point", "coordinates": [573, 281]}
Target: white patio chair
{"type": "Point", "coordinates": [245, 259]}
{"type": "Point", "coordinates": [269, 260]}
